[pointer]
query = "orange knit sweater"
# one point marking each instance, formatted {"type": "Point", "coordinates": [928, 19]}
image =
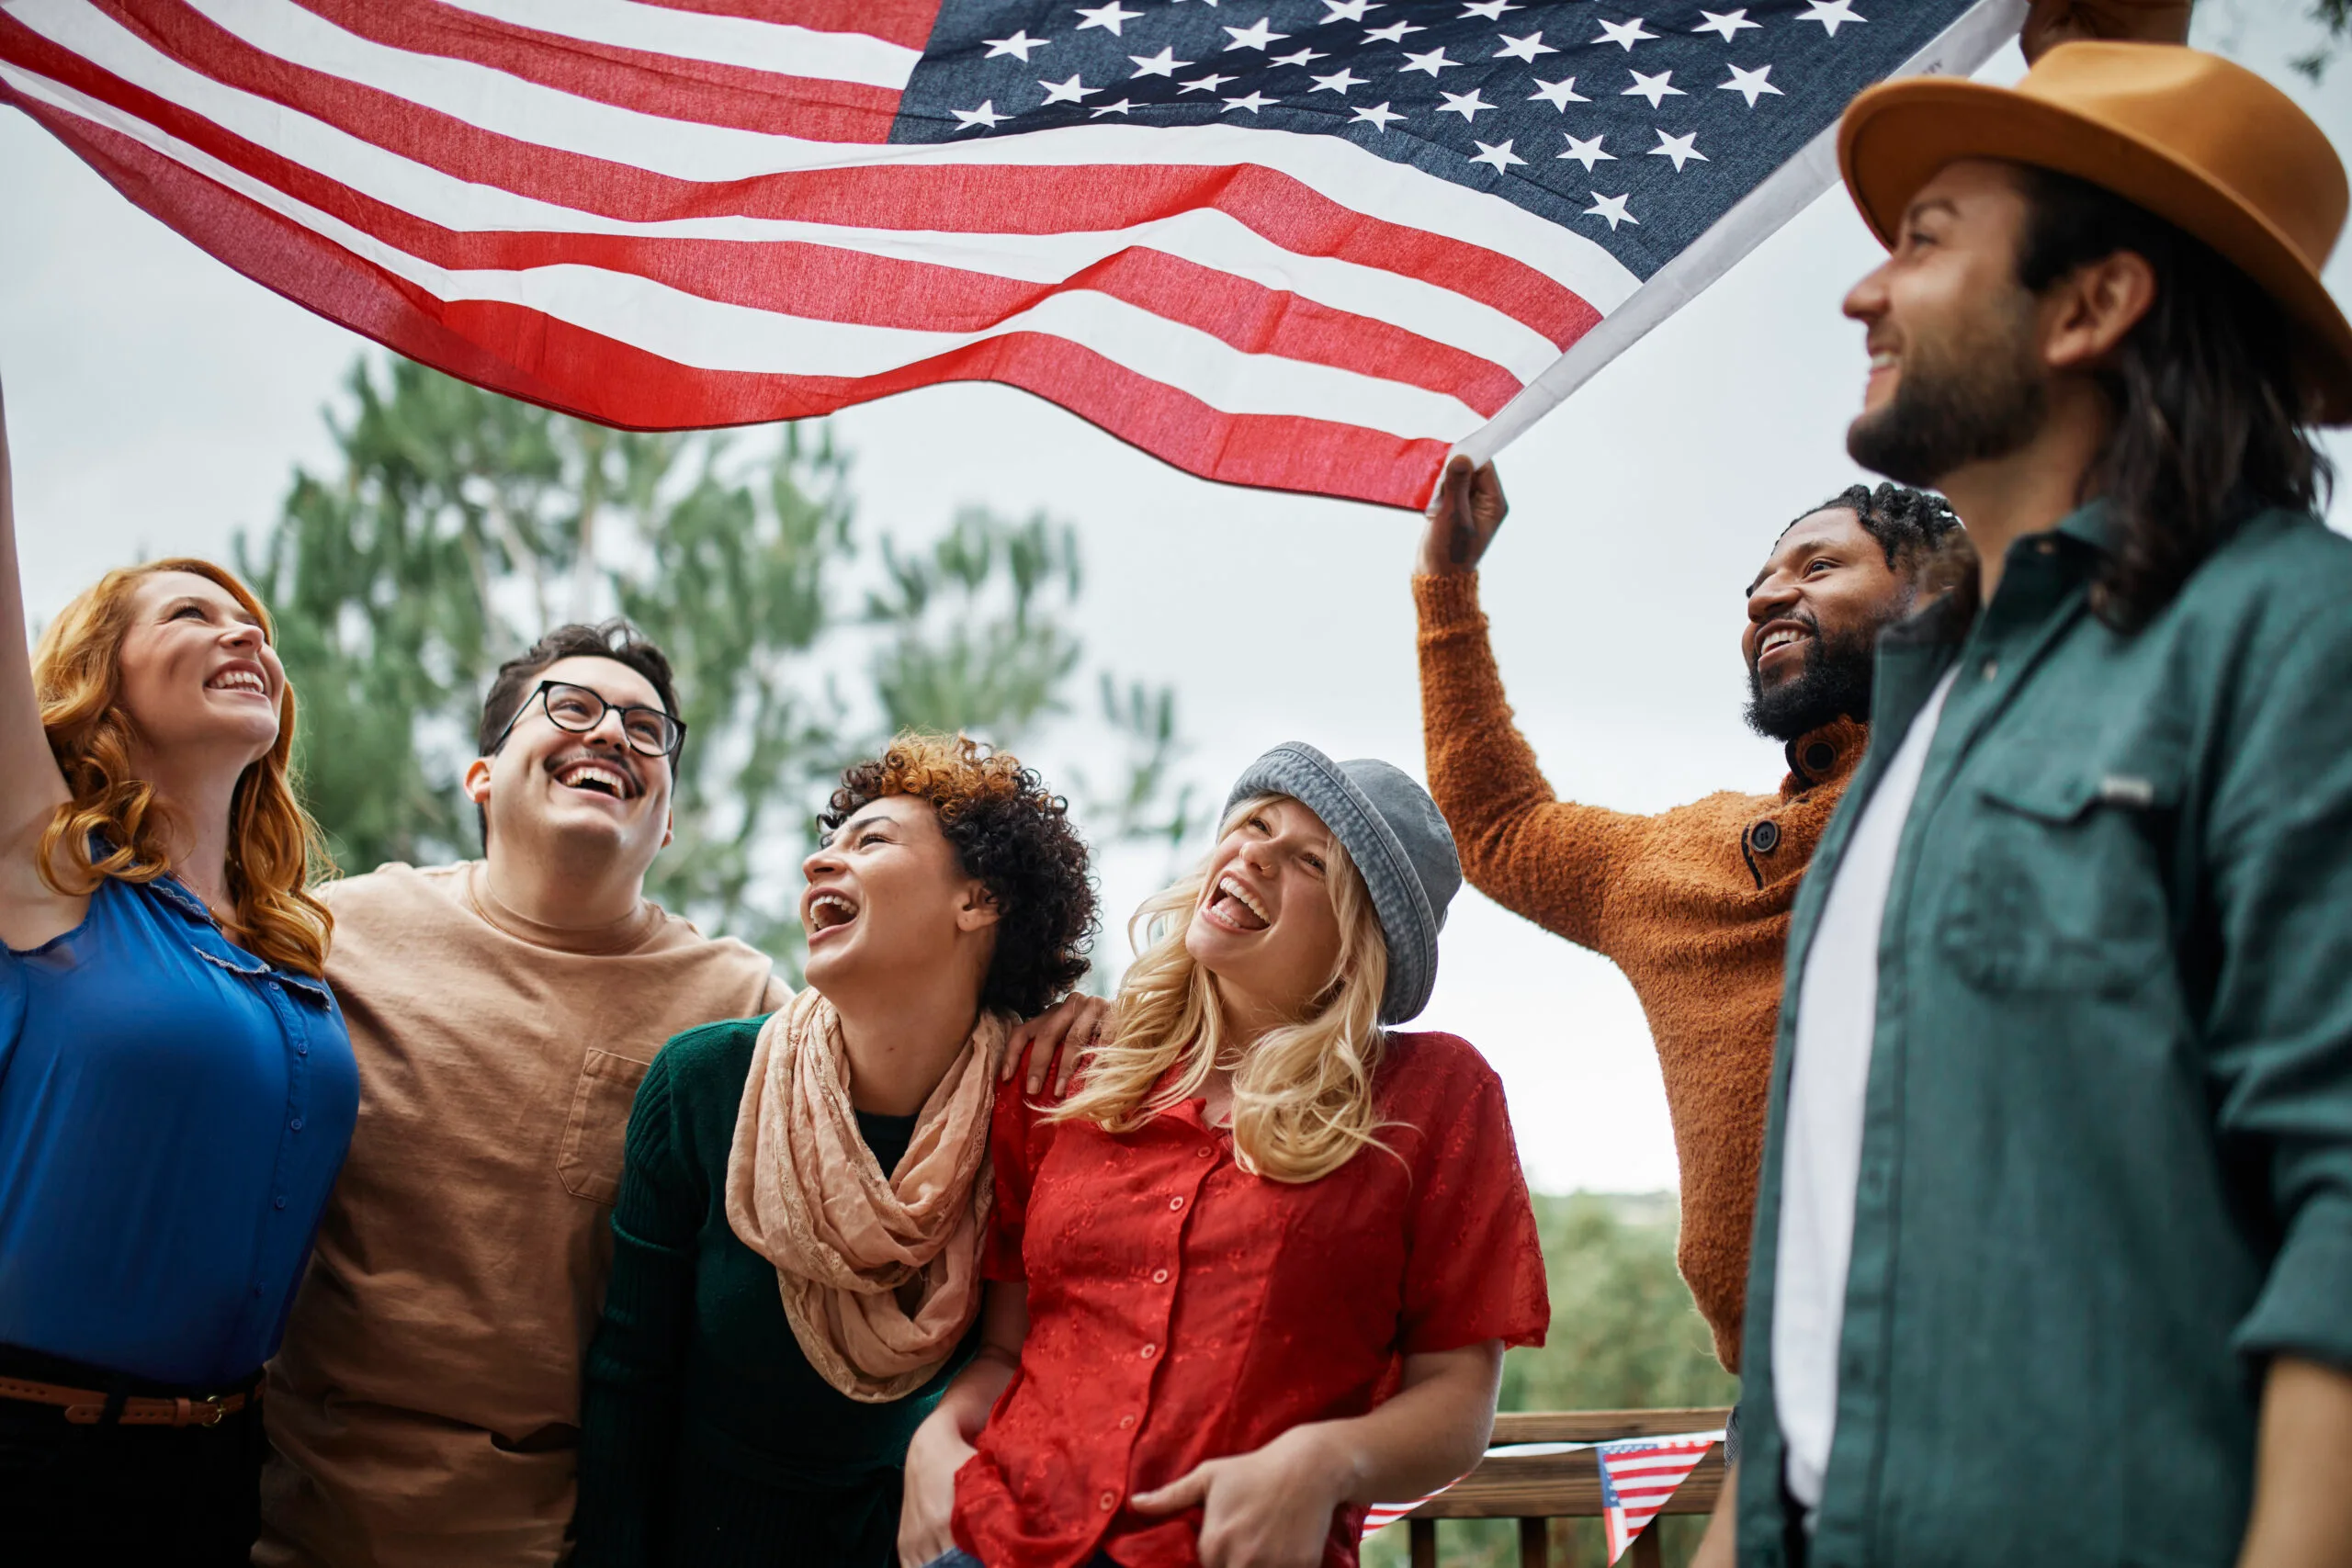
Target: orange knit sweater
{"type": "Point", "coordinates": [1691, 904]}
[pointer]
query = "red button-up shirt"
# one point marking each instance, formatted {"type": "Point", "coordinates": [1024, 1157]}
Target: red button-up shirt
{"type": "Point", "coordinates": [1182, 1309]}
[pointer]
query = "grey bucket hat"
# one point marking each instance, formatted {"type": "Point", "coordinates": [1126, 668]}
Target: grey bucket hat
{"type": "Point", "coordinates": [1397, 838]}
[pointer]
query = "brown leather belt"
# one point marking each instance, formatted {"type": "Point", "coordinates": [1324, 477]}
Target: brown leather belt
{"type": "Point", "coordinates": [87, 1406]}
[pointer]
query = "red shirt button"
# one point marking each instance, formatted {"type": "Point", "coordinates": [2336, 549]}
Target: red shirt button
{"type": "Point", "coordinates": [1106, 1501]}
{"type": "Point", "coordinates": [1175, 1203]}
{"type": "Point", "coordinates": [1149, 1351]}
{"type": "Point", "coordinates": [1160, 1276]}
{"type": "Point", "coordinates": [1204, 1152]}
{"type": "Point", "coordinates": [1126, 1422]}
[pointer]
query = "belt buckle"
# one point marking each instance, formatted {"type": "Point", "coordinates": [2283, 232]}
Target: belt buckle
{"type": "Point", "coordinates": [210, 1411]}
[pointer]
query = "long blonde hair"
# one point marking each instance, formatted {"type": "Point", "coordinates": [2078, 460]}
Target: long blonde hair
{"type": "Point", "coordinates": [1302, 1092]}
{"type": "Point", "coordinates": [274, 847]}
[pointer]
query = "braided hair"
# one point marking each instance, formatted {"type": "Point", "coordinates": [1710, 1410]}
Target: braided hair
{"type": "Point", "coordinates": [1913, 527]}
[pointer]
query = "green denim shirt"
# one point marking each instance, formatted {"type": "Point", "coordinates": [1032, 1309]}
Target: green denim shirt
{"type": "Point", "coordinates": [2107, 1164]}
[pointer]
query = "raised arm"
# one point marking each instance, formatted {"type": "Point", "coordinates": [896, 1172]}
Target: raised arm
{"type": "Point", "coordinates": [1520, 845]}
{"type": "Point", "coordinates": [30, 786]}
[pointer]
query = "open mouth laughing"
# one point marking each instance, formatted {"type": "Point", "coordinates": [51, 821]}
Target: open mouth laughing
{"type": "Point", "coordinates": [827, 910]}
{"type": "Point", "coordinates": [239, 678]}
{"type": "Point", "coordinates": [595, 775]}
{"type": "Point", "coordinates": [1234, 906]}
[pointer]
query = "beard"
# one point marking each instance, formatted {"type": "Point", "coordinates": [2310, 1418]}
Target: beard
{"type": "Point", "coordinates": [1978, 396]}
{"type": "Point", "coordinates": [1834, 683]}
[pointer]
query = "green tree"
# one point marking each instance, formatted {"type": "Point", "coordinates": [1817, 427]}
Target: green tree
{"type": "Point", "coordinates": [463, 524]}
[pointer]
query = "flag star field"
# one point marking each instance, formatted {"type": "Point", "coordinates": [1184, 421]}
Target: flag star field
{"type": "Point", "coordinates": [1310, 244]}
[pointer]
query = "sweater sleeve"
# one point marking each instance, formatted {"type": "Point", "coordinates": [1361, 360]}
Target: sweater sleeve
{"type": "Point", "coordinates": [630, 1403]}
{"type": "Point", "coordinates": [1536, 854]}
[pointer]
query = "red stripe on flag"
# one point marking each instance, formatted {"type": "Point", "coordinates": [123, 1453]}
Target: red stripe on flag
{"type": "Point", "coordinates": [668, 85]}
{"type": "Point", "coordinates": [831, 283]}
{"type": "Point", "coordinates": [969, 199]}
{"type": "Point", "coordinates": [907, 22]}
{"type": "Point", "coordinates": [525, 354]}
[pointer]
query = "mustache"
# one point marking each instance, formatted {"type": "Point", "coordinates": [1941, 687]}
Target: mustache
{"type": "Point", "coordinates": [621, 759]}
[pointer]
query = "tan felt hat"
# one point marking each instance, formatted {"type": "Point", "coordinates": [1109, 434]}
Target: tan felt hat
{"type": "Point", "coordinates": [2201, 142]}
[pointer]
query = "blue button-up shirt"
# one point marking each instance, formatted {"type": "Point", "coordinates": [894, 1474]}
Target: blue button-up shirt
{"type": "Point", "coordinates": [173, 1110]}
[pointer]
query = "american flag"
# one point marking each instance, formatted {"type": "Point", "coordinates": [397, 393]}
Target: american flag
{"type": "Point", "coordinates": [1304, 243]}
{"type": "Point", "coordinates": [1638, 1475]}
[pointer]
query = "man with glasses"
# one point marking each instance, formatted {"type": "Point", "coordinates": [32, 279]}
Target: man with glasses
{"type": "Point", "coordinates": [425, 1408]}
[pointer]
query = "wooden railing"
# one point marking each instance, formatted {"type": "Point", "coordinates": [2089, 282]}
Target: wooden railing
{"type": "Point", "coordinates": [1535, 1488]}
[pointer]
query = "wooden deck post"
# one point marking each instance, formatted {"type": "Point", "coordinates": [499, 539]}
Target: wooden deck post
{"type": "Point", "coordinates": [1424, 1542]}
{"type": "Point", "coordinates": [1534, 1544]}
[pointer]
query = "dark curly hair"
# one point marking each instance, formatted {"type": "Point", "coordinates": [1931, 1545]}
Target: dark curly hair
{"type": "Point", "coordinates": [1912, 526]}
{"type": "Point", "coordinates": [1014, 835]}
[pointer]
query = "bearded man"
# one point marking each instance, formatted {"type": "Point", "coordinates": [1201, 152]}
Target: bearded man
{"type": "Point", "coordinates": [2054, 1235]}
{"type": "Point", "coordinates": [1692, 904]}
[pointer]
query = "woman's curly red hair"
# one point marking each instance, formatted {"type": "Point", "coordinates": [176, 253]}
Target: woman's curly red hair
{"type": "Point", "coordinates": [1014, 835]}
{"type": "Point", "coordinates": [274, 847]}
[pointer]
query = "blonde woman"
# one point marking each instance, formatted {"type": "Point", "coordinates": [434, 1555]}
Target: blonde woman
{"type": "Point", "coordinates": [176, 1087]}
{"type": "Point", "coordinates": [1259, 1269]}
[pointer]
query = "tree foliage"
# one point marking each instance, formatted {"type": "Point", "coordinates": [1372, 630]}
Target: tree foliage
{"type": "Point", "coordinates": [464, 523]}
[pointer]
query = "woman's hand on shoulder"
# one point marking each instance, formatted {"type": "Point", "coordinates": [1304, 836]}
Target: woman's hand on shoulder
{"type": "Point", "coordinates": [927, 1508]}
{"type": "Point", "coordinates": [1268, 1508]}
{"type": "Point", "coordinates": [1054, 1043]}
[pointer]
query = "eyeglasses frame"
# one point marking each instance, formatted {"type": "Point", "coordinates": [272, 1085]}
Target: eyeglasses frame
{"type": "Point", "coordinates": [538, 694]}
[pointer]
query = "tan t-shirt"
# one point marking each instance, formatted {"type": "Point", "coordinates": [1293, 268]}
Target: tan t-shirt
{"type": "Point", "coordinates": [425, 1409]}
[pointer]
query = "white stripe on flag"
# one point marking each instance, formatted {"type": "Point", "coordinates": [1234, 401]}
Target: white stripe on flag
{"type": "Point", "coordinates": [721, 41]}
{"type": "Point", "coordinates": [531, 113]}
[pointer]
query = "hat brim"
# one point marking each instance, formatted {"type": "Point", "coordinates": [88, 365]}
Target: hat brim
{"type": "Point", "coordinates": [1895, 136]}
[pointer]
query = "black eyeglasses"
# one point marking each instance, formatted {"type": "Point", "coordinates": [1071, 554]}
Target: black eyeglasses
{"type": "Point", "coordinates": [650, 731]}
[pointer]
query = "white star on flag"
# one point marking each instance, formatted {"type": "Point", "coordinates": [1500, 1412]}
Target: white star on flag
{"type": "Point", "coordinates": [1258, 35]}
{"type": "Point", "coordinates": [1499, 156]}
{"type": "Point", "coordinates": [1433, 63]}
{"type": "Point", "coordinates": [1253, 103]}
{"type": "Point", "coordinates": [1525, 49]}
{"type": "Point", "coordinates": [1112, 17]}
{"type": "Point", "coordinates": [1559, 94]}
{"type": "Point", "coordinates": [1651, 88]}
{"type": "Point", "coordinates": [1209, 83]}
{"type": "Point", "coordinates": [1300, 58]}
{"type": "Point", "coordinates": [1122, 107]}
{"type": "Point", "coordinates": [1624, 34]}
{"type": "Point", "coordinates": [1068, 92]}
{"type": "Point", "coordinates": [1750, 84]}
{"type": "Point", "coordinates": [1467, 105]}
{"type": "Point", "coordinates": [1164, 64]}
{"type": "Point", "coordinates": [1724, 22]}
{"type": "Point", "coordinates": [1393, 33]}
{"type": "Point", "coordinates": [1339, 82]}
{"type": "Point", "coordinates": [1677, 147]}
{"type": "Point", "coordinates": [985, 118]}
{"type": "Point", "coordinates": [1611, 208]}
{"type": "Point", "coordinates": [1587, 153]}
{"type": "Point", "coordinates": [1020, 44]}
{"type": "Point", "coordinates": [1832, 14]}
{"type": "Point", "coordinates": [1378, 115]}
{"type": "Point", "coordinates": [1492, 10]}
{"type": "Point", "coordinates": [1349, 10]}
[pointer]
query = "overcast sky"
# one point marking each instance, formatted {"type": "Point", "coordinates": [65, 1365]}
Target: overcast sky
{"type": "Point", "coordinates": [157, 402]}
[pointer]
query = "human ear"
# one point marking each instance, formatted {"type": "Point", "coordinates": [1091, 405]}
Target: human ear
{"type": "Point", "coordinates": [2095, 307]}
{"type": "Point", "coordinates": [476, 782]}
{"type": "Point", "coordinates": [979, 910]}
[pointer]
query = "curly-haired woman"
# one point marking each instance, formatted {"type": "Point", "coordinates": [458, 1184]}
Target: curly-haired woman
{"type": "Point", "coordinates": [1259, 1271]}
{"type": "Point", "coordinates": [177, 1088]}
{"type": "Point", "coordinates": [798, 1239]}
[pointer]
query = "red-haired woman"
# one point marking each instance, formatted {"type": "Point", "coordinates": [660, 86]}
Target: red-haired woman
{"type": "Point", "coordinates": [176, 1088]}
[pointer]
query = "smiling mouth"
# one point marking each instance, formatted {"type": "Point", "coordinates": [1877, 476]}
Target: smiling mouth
{"type": "Point", "coordinates": [238, 680]}
{"type": "Point", "coordinates": [595, 777]}
{"type": "Point", "coordinates": [1234, 906]}
{"type": "Point", "coordinates": [828, 912]}
{"type": "Point", "coordinates": [1779, 638]}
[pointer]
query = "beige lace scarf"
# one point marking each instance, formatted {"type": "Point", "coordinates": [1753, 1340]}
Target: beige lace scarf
{"type": "Point", "coordinates": [879, 1271]}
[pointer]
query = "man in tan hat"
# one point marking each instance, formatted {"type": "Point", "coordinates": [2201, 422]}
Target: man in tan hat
{"type": "Point", "coordinates": [2053, 1244]}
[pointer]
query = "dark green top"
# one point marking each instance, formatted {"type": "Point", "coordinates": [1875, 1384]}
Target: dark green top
{"type": "Point", "coordinates": [2106, 1161]}
{"type": "Point", "coordinates": [705, 1437]}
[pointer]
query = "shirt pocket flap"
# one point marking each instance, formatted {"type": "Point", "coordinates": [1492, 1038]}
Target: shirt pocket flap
{"type": "Point", "coordinates": [2062, 795]}
{"type": "Point", "coordinates": [590, 1164]}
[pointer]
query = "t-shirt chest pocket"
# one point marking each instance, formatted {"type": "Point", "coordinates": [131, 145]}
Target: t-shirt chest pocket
{"type": "Point", "coordinates": [2058, 879]}
{"type": "Point", "coordinates": [590, 1164]}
